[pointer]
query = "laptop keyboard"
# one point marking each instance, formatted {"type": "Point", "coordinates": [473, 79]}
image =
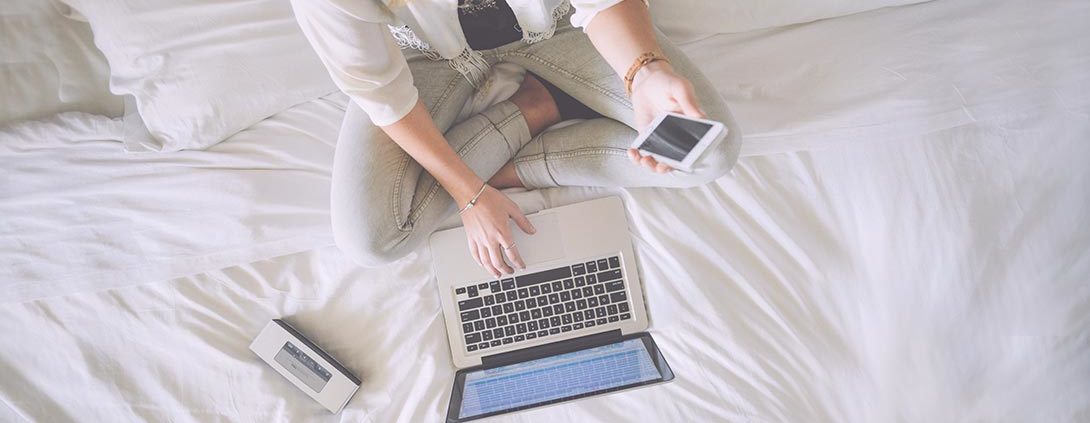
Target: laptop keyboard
{"type": "Point", "coordinates": [543, 304]}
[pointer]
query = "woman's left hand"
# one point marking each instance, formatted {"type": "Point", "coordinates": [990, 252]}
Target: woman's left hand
{"type": "Point", "coordinates": [656, 89]}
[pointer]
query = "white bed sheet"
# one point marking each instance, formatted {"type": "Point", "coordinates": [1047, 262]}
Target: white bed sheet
{"type": "Point", "coordinates": [902, 71]}
{"type": "Point", "coordinates": [938, 280]}
{"type": "Point", "coordinates": [81, 214]}
{"type": "Point", "coordinates": [926, 256]}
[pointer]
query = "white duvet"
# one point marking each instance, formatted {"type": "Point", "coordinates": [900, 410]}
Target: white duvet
{"type": "Point", "coordinates": [938, 280]}
{"type": "Point", "coordinates": [892, 248]}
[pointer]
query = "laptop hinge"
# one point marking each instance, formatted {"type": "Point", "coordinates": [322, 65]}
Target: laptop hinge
{"type": "Point", "coordinates": [551, 349]}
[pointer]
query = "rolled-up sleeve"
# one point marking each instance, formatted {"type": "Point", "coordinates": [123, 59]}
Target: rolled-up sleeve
{"type": "Point", "coordinates": [361, 57]}
{"type": "Point", "coordinates": [586, 10]}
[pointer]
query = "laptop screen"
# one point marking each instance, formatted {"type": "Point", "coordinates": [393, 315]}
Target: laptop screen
{"type": "Point", "coordinates": [599, 369]}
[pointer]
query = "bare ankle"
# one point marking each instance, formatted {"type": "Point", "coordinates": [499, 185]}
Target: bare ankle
{"type": "Point", "coordinates": [506, 177]}
{"type": "Point", "coordinates": [536, 104]}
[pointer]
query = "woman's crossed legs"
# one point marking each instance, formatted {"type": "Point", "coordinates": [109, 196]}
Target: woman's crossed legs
{"type": "Point", "coordinates": [384, 204]}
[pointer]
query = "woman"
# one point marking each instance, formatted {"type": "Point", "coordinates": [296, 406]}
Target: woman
{"type": "Point", "coordinates": [403, 163]}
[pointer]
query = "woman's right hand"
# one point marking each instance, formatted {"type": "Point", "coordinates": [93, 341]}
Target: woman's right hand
{"type": "Point", "coordinates": [489, 235]}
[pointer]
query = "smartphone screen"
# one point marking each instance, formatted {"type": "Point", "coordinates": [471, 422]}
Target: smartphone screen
{"type": "Point", "coordinates": [675, 137]}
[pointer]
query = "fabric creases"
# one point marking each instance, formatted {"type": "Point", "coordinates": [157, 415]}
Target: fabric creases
{"type": "Point", "coordinates": [469, 62]}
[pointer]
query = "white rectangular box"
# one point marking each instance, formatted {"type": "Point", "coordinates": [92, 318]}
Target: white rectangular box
{"type": "Point", "coordinates": [305, 365]}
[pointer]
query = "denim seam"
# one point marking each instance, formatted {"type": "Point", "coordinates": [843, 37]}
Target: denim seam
{"type": "Point", "coordinates": [446, 93]}
{"type": "Point", "coordinates": [406, 224]}
{"type": "Point", "coordinates": [396, 204]}
{"type": "Point", "coordinates": [545, 158]}
{"type": "Point", "coordinates": [575, 153]}
{"type": "Point", "coordinates": [465, 150]}
{"type": "Point", "coordinates": [502, 125]}
{"type": "Point", "coordinates": [556, 68]}
{"type": "Point", "coordinates": [434, 188]}
{"type": "Point", "coordinates": [594, 151]}
{"type": "Point", "coordinates": [536, 158]}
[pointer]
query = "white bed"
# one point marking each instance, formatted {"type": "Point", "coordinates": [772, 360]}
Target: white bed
{"type": "Point", "coordinates": [906, 238]}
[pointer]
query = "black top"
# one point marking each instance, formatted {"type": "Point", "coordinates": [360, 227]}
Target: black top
{"type": "Point", "coordinates": [488, 24]}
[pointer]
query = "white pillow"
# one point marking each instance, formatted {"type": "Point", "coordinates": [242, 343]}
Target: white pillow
{"type": "Point", "coordinates": [49, 64]}
{"type": "Point", "coordinates": [687, 20]}
{"type": "Point", "coordinates": [199, 71]}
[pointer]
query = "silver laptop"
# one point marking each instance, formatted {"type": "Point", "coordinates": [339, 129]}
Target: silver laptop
{"type": "Point", "coordinates": [541, 335]}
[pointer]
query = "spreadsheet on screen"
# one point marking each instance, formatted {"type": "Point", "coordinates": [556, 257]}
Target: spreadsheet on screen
{"type": "Point", "coordinates": [561, 376]}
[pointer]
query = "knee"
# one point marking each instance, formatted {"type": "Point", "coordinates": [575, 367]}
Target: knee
{"type": "Point", "coordinates": [718, 160]}
{"type": "Point", "coordinates": [365, 251]}
{"type": "Point", "coordinates": [364, 240]}
{"type": "Point", "coordinates": [712, 166]}
{"type": "Point", "coordinates": [364, 168]}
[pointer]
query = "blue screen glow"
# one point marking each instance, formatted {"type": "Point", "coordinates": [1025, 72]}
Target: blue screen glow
{"type": "Point", "coordinates": [561, 376]}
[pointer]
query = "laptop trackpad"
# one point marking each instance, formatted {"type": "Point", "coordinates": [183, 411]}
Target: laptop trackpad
{"type": "Point", "coordinates": [547, 244]}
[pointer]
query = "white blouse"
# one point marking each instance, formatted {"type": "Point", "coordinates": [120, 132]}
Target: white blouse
{"type": "Point", "coordinates": [360, 43]}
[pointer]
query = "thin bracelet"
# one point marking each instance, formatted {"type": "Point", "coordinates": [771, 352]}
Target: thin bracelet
{"type": "Point", "coordinates": [641, 61]}
{"type": "Point", "coordinates": [473, 202]}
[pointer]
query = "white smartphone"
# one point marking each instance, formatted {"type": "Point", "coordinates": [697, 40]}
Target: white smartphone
{"type": "Point", "coordinates": [678, 140]}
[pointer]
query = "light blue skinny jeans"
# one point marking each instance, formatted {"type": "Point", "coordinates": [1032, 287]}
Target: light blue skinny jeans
{"type": "Point", "coordinates": [384, 204]}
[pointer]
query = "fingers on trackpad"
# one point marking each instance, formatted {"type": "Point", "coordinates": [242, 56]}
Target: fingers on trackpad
{"type": "Point", "coordinates": [546, 244]}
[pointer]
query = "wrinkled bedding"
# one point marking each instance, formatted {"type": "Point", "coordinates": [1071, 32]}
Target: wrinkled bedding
{"type": "Point", "coordinates": [49, 64]}
{"type": "Point", "coordinates": [905, 239]}
{"type": "Point", "coordinates": [943, 279]}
